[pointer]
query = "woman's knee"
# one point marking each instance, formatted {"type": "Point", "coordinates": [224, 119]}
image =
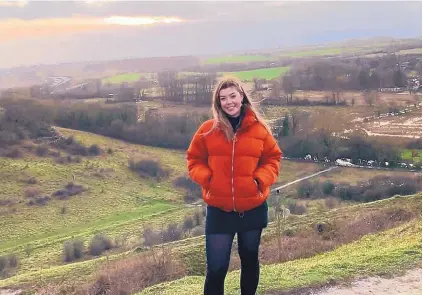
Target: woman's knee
{"type": "Point", "coordinates": [217, 272]}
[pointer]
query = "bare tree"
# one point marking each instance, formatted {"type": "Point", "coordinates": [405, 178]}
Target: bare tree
{"type": "Point", "coordinates": [371, 97]}
{"type": "Point", "coordinates": [258, 84]}
{"type": "Point", "coordinates": [297, 119]}
{"type": "Point", "coordinates": [288, 87]}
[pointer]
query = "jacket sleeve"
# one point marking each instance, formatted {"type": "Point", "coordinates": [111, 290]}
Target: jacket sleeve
{"type": "Point", "coordinates": [267, 171]}
{"type": "Point", "coordinates": [197, 160]}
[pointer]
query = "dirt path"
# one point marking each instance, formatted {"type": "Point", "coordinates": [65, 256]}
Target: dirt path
{"type": "Point", "coordinates": [304, 178]}
{"type": "Point", "coordinates": [408, 284]}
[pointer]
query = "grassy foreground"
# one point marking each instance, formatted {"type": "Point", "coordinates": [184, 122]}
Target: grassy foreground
{"type": "Point", "coordinates": [384, 253]}
{"type": "Point", "coordinates": [117, 201]}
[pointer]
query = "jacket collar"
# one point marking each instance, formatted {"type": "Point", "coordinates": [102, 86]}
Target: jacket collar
{"type": "Point", "coordinates": [248, 119]}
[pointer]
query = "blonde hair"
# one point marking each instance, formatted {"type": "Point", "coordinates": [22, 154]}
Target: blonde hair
{"type": "Point", "coordinates": [220, 119]}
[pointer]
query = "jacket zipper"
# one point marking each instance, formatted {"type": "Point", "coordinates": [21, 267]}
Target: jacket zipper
{"type": "Point", "coordinates": [233, 157]}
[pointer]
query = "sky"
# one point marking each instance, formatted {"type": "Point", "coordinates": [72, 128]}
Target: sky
{"type": "Point", "coordinates": [49, 32]}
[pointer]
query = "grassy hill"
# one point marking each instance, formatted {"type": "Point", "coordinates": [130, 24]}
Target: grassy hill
{"type": "Point", "coordinates": [116, 202]}
{"type": "Point", "coordinates": [384, 253]}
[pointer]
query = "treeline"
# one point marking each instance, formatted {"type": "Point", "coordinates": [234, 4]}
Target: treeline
{"type": "Point", "coordinates": [195, 89]}
{"type": "Point", "coordinates": [376, 188]}
{"type": "Point", "coordinates": [298, 139]}
{"type": "Point", "coordinates": [336, 75]}
{"type": "Point", "coordinates": [29, 119]}
{"type": "Point", "coordinates": [33, 119]}
{"type": "Point", "coordinates": [20, 120]}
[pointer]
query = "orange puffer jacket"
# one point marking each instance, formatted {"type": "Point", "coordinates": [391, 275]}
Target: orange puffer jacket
{"type": "Point", "coordinates": [227, 170]}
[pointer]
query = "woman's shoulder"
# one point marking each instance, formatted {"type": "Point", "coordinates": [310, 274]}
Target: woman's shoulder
{"type": "Point", "coordinates": [259, 130]}
{"type": "Point", "coordinates": [207, 125]}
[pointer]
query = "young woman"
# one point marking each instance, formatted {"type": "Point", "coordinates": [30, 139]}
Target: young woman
{"type": "Point", "coordinates": [235, 159]}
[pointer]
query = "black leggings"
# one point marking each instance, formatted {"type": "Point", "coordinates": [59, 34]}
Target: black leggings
{"type": "Point", "coordinates": [218, 252]}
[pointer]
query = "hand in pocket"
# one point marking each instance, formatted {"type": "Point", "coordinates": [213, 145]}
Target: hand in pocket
{"type": "Point", "coordinates": [257, 183]}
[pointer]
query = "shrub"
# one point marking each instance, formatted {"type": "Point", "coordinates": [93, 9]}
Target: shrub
{"type": "Point", "coordinates": [174, 233]}
{"type": "Point", "coordinates": [99, 244]}
{"type": "Point", "coordinates": [41, 150]}
{"type": "Point", "coordinates": [198, 231]}
{"type": "Point", "coordinates": [68, 159]}
{"type": "Point", "coordinates": [74, 189]}
{"type": "Point", "coordinates": [32, 192]}
{"type": "Point", "coordinates": [377, 188]}
{"type": "Point", "coordinates": [191, 197]}
{"type": "Point", "coordinates": [61, 194]}
{"type": "Point", "coordinates": [305, 189]}
{"type": "Point", "coordinates": [73, 249]}
{"type": "Point", "coordinates": [75, 148]}
{"type": "Point", "coordinates": [187, 183]}
{"type": "Point", "coordinates": [13, 153]}
{"type": "Point", "coordinates": [188, 223]}
{"type": "Point", "coordinates": [289, 232]}
{"type": "Point", "coordinates": [70, 189]}
{"type": "Point", "coordinates": [39, 200]}
{"type": "Point", "coordinates": [133, 274]}
{"type": "Point", "coordinates": [328, 187]}
{"type": "Point", "coordinates": [5, 202]}
{"type": "Point", "coordinates": [8, 263]}
{"type": "Point", "coordinates": [94, 150]}
{"type": "Point", "coordinates": [151, 238]}
{"type": "Point", "coordinates": [297, 209]}
{"type": "Point", "coordinates": [31, 180]}
{"type": "Point", "coordinates": [148, 168]}
{"type": "Point", "coordinates": [198, 218]}
{"type": "Point", "coordinates": [331, 202]}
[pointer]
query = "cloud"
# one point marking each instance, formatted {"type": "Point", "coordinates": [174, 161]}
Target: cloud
{"type": "Point", "coordinates": [16, 3]}
{"type": "Point", "coordinates": [18, 28]}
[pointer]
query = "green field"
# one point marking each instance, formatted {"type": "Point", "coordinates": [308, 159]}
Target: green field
{"type": "Point", "coordinates": [268, 73]}
{"type": "Point", "coordinates": [316, 52]}
{"type": "Point", "coordinates": [276, 56]}
{"type": "Point", "coordinates": [407, 154]}
{"type": "Point", "coordinates": [238, 59]}
{"type": "Point", "coordinates": [411, 51]}
{"type": "Point", "coordinates": [117, 201]}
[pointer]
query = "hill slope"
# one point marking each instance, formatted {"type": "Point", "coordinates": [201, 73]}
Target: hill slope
{"type": "Point", "coordinates": [386, 252]}
{"type": "Point", "coordinates": [117, 201]}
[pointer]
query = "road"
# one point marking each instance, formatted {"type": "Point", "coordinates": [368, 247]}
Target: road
{"type": "Point", "coordinates": [276, 189]}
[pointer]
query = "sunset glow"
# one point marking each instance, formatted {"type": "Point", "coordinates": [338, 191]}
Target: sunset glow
{"type": "Point", "coordinates": [16, 3]}
{"type": "Point", "coordinates": [137, 21]}
{"type": "Point", "coordinates": [20, 28]}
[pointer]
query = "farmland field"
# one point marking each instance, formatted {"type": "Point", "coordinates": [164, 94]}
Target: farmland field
{"type": "Point", "coordinates": [316, 52]}
{"type": "Point", "coordinates": [127, 77]}
{"type": "Point", "coordinates": [383, 98]}
{"type": "Point", "coordinates": [238, 59]}
{"type": "Point", "coordinates": [268, 73]}
{"type": "Point", "coordinates": [412, 155]}
{"type": "Point", "coordinates": [407, 125]}
{"type": "Point", "coordinates": [411, 51]}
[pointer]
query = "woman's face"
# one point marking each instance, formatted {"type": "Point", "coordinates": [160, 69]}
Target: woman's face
{"type": "Point", "coordinates": [231, 101]}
